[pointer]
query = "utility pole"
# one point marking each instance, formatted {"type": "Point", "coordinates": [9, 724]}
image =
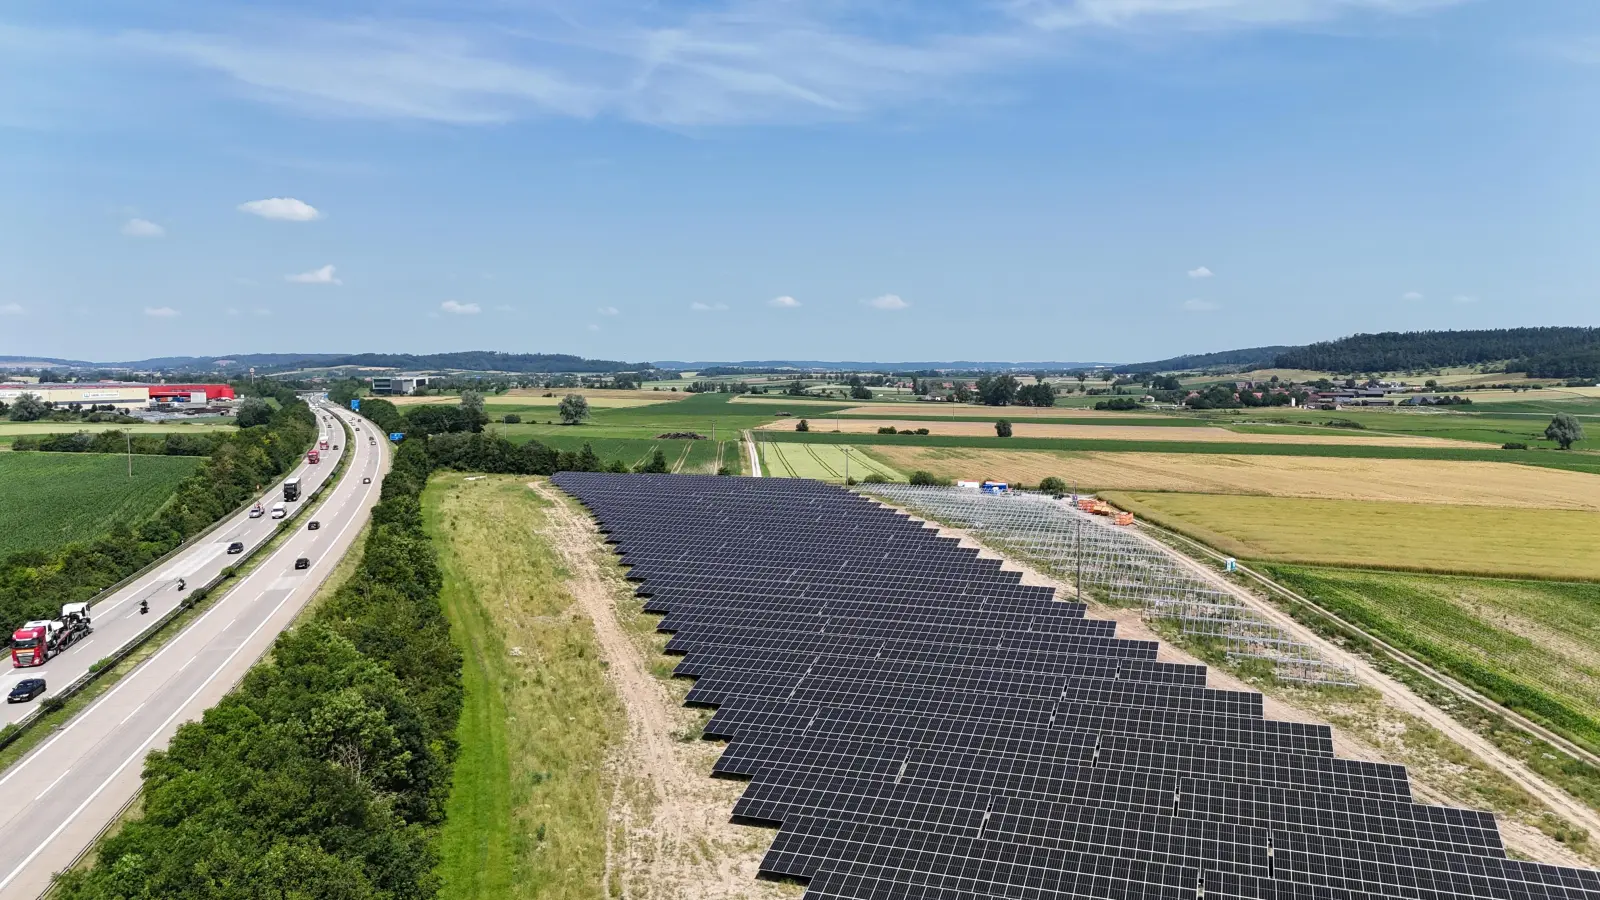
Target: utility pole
{"type": "Point", "coordinates": [847, 465]}
{"type": "Point", "coordinates": [129, 436]}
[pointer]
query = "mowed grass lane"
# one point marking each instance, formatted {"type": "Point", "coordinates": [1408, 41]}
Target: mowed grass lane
{"type": "Point", "coordinates": [50, 499]}
{"type": "Point", "coordinates": [1420, 537]}
{"type": "Point", "coordinates": [1533, 646]}
{"type": "Point", "coordinates": [527, 812]}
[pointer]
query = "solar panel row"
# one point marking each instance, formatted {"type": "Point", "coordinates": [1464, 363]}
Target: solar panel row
{"type": "Point", "coordinates": [918, 723]}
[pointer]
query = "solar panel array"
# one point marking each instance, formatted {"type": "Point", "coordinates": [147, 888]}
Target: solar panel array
{"type": "Point", "coordinates": [919, 724]}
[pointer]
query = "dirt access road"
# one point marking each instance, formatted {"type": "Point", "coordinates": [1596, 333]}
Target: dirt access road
{"type": "Point", "coordinates": [670, 834]}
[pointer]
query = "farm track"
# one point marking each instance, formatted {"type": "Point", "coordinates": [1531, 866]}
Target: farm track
{"type": "Point", "coordinates": [811, 449]}
{"type": "Point", "coordinates": [646, 457]}
{"type": "Point", "coordinates": [688, 447]}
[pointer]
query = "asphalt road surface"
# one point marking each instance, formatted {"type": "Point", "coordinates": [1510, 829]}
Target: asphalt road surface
{"type": "Point", "coordinates": [63, 793]}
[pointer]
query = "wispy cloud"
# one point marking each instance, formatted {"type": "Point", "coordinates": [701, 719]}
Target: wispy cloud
{"type": "Point", "coordinates": [460, 309]}
{"type": "Point", "coordinates": [1201, 272]}
{"type": "Point", "coordinates": [12, 309]}
{"type": "Point", "coordinates": [1411, 295]}
{"type": "Point", "coordinates": [261, 311]}
{"type": "Point", "coordinates": [890, 302]}
{"type": "Point", "coordinates": [784, 302]}
{"type": "Point", "coordinates": [1199, 306]}
{"type": "Point", "coordinates": [160, 312]}
{"type": "Point", "coordinates": [608, 311]}
{"type": "Point", "coordinates": [283, 209]}
{"type": "Point", "coordinates": [705, 63]}
{"type": "Point", "coordinates": [593, 327]}
{"type": "Point", "coordinates": [1464, 299]}
{"type": "Point", "coordinates": [697, 306]}
{"type": "Point", "coordinates": [143, 228]}
{"type": "Point", "coordinates": [323, 275]}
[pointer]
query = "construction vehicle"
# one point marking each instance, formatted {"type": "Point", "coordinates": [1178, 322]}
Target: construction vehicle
{"type": "Point", "coordinates": [37, 642]}
{"type": "Point", "coordinates": [313, 457]}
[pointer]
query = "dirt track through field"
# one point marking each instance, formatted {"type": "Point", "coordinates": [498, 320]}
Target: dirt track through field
{"type": "Point", "coordinates": [671, 836]}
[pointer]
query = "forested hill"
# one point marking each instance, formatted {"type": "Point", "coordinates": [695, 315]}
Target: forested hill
{"type": "Point", "coordinates": [1397, 351]}
{"type": "Point", "coordinates": [1249, 358]}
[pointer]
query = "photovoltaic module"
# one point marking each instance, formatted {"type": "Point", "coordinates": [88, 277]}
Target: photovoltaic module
{"type": "Point", "coordinates": [920, 724]}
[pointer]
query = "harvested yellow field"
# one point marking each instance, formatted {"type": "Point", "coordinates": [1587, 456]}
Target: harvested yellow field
{"type": "Point", "coordinates": [535, 397]}
{"type": "Point", "coordinates": [925, 408]}
{"type": "Point", "coordinates": [1317, 477]}
{"type": "Point", "coordinates": [1536, 543]}
{"type": "Point", "coordinates": [1186, 433]}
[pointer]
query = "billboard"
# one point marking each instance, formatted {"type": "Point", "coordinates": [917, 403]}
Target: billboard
{"type": "Point", "coordinates": [355, 404]}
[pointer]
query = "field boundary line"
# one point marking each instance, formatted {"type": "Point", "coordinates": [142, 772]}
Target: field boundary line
{"type": "Point", "coordinates": [1400, 656]}
{"type": "Point", "coordinates": [826, 467]}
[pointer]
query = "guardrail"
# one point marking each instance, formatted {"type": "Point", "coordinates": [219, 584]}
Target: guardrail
{"type": "Point", "coordinates": [14, 731]}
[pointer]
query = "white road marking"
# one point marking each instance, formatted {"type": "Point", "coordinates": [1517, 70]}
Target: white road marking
{"type": "Point", "coordinates": [52, 784]}
{"type": "Point", "coordinates": [130, 714]}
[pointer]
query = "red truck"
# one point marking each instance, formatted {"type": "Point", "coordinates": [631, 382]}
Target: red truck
{"type": "Point", "coordinates": [37, 642]}
{"type": "Point", "coordinates": [313, 456]}
{"type": "Point", "coordinates": [322, 444]}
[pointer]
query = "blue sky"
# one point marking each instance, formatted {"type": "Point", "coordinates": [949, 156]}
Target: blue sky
{"type": "Point", "coordinates": [822, 179]}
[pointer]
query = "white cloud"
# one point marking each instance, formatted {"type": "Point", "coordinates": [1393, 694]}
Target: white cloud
{"type": "Point", "coordinates": [890, 302]}
{"type": "Point", "coordinates": [697, 306]}
{"type": "Point", "coordinates": [12, 309]}
{"type": "Point", "coordinates": [233, 311]}
{"type": "Point", "coordinates": [460, 309]}
{"type": "Point", "coordinates": [1411, 295]}
{"type": "Point", "coordinates": [1464, 299]}
{"type": "Point", "coordinates": [607, 311]}
{"type": "Point", "coordinates": [284, 209]}
{"type": "Point", "coordinates": [160, 312]}
{"type": "Point", "coordinates": [323, 275]}
{"type": "Point", "coordinates": [706, 63]}
{"type": "Point", "coordinates": [143, 228]}
{"type": "Point", "coordinates": [1199, 306]}
{"type": "Point", "coordinates": [261, 311]}
{"type": "Point", "coordinates": [593, 327]}
{"type": "Point", "coordinates": [784, 302]}
{"type": "Point", "coordinates": [1201, 272]}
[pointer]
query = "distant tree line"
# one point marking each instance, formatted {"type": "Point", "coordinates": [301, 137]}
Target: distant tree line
{"type": "Point", "coordinates": [1399, 351]}
{"type": "Point", "coordinates": [118, 441]}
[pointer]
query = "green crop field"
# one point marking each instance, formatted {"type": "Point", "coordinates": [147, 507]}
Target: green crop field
{"type": "Point", "coordinates": [1533, 646]}
{"type": "Point", "coordinates": [1423, 537]}
{"type": "Point", "coordinates": [49, 499]}
{"type": "Point", "coordinates": [9, 431]}
{"type": "Point", "coordinates": [824, 462]}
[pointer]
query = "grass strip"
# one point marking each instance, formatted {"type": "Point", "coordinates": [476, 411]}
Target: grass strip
{"type": "Point", "coordinates": [528, 807]}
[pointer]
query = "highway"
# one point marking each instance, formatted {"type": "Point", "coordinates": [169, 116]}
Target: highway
{"type": "Point", "coordinates": [63, 793]}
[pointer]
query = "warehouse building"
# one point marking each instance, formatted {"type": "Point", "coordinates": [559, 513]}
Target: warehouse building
{"type": "Point", "coordinates": [402, 384]}
{"type": "Point", "coordinates": [121, 394]}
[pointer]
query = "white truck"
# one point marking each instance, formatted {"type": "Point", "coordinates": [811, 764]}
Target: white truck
{"type": "Point", "coordinates": [279, 510]}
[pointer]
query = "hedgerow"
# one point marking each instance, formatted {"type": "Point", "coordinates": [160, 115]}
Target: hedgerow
{"type": "Point", "coordinates": [324, 774]}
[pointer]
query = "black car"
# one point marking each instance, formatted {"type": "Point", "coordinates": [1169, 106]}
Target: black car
{"type": "Point", "coordinates": [302, 563]}
{"type": "Point", "coordinates": [26, 689]}
{"type": "Point", "coordinates": [313, 525]}
{"type": "Point", "coordinates": [236, 547]}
